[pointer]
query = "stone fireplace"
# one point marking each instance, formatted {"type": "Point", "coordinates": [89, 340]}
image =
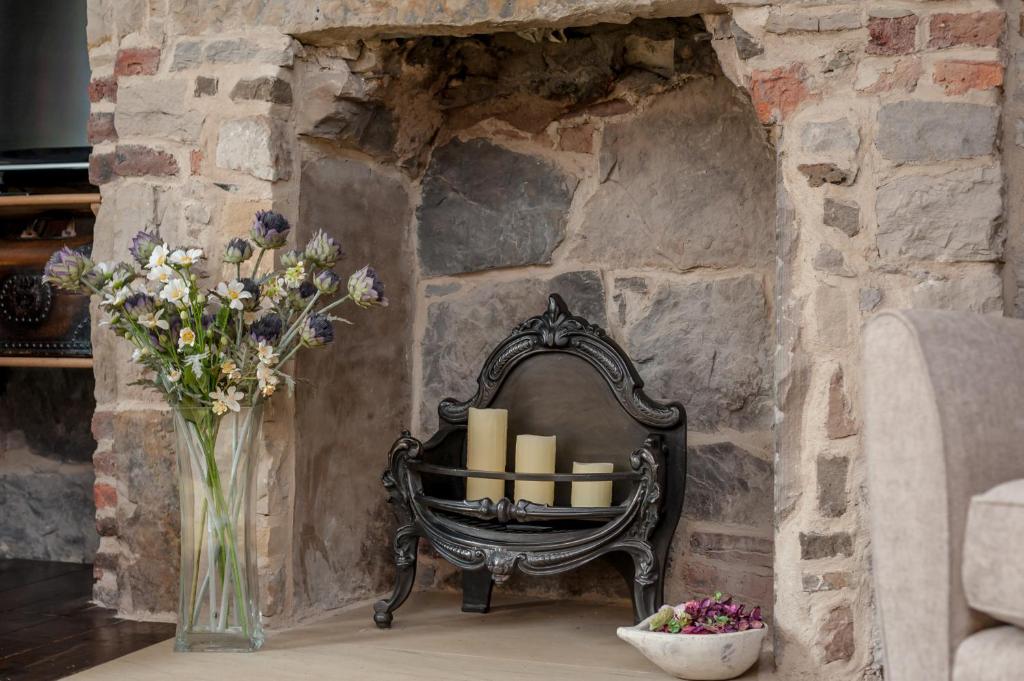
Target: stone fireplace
{"type": "Point", "coordinates": [728, 188]}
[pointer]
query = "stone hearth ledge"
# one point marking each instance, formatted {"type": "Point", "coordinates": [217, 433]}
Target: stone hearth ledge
{"type": "Point", "coordinates": [432, 640]}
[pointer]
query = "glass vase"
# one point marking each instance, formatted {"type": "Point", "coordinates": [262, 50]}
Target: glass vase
{"type": "Point", "coordinates": [218, 605]}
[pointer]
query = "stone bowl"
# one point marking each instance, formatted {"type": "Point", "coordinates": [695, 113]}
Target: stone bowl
{"type": "Point", "coordinates": [697, 657]}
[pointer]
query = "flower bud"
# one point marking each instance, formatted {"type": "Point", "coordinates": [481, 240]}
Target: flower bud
{"type": "Point", "coordinates": [291, 258]}
{"type": "Point", "coordinates": [322, 250]}
{"type": "Point", "coordinates": [366, 289]}
{"type": "Point", "coordinates": [317, 330]}
{"type": "Point", "coordinates": [237, 251]}
{"type": "Point", "coordinates": [142, 246]}
{"type": "Point", "coordinates": [65, 269]}
{"type": "Point", "coordinates": [269, 229]}
{"type": "Point", "coordinates": [327, 281]}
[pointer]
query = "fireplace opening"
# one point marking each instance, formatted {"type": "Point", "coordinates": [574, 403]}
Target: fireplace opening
{"type": "Point", "coordinates": [613, 164]}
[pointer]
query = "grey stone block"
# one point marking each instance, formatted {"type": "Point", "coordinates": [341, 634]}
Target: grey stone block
{"type": "Point", "coordinates": [936, 131]}
{"type": "Point", "coordinates": [726, 484]}
{"type": "Point", "coordinates": [485, 207]}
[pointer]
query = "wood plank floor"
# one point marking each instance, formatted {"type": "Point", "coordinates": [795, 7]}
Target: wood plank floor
{"type": "Point", "coordinates": [48, 628]}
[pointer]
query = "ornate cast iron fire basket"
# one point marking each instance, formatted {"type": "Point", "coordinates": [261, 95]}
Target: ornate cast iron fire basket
{"type": "Point", "coordinates": [556, 373]}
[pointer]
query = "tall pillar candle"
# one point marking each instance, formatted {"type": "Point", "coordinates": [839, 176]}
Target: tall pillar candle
{"type": "Point", "coordinates": [535, 454]}
{"type": "Point", "coordinates": [485, 451]}
{"type": "Point", "coordinates": [592, 494]}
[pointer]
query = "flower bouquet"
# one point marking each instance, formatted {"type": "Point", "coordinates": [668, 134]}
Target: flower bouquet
{"type": "Point", "coordinates": [217, 354]}
{"type": "Point", "coordinates": [703, 639]}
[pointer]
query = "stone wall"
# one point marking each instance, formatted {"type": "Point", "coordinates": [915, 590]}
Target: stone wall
{"type": "Point", "coordinates": [889, 186]}
{"type": "Point", "coordinates": [46, 474]}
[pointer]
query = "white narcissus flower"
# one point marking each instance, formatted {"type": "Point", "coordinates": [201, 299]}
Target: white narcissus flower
{"type": "Point", "coordinates": [118, 298]}
{"type": "Point", "coordinates": [266, 353]}
{"type": "Point", "coordinates": [161, 273]}
{"type": "Point", "coordinates": [186, 338]}
{"type": "Point", "coordinates": [234, 292]}
{"type": "Point", "coordinates": [152, 320]}
{"type": "Point", "coordinates": [226, 399]}
{"type": "Point", "coordinates": [173, 375]}
{"type": "Point", "coordinates": [268, 380]}
{"type": "Point", "coordinates": [175, 292]}
{"type": "Point", "coordinates": [158, 257]}
{"type": "Point", "coordinates": [186, 258]}
{"type": "Point", "coordinates": [138, 354]}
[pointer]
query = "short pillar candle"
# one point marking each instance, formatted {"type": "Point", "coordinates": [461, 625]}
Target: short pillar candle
{"type": "Point", "coordinates": [592, 494]}
{"type": "Point", "coordinates": [485, 451]}
{"type": "Point", "coordinates": [535, 454]}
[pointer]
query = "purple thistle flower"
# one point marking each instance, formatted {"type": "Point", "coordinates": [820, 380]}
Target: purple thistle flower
{"type": "Point", "coordinates": [291, 258]}
{"type": "Point", "coordinates": [65, 269]}
{"type": "Point", "coordinates": [317, 330]}
{"type": "Point", "coordinates": [269, 229]}
{"type": "Point", "coordinates": [322, 250]}
{"type": "Point", "coordinates": [306, 289]}
{"type": "Point", "coordinates": [142, 246]}
{"type": "Point", "coordinates": [267, 329]}
{"type": "Point", "coordinates": [366, 289]}
{"type": "Point", "coordinates": [139, 303]}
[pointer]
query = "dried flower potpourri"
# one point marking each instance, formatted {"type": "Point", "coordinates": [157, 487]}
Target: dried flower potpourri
{"type": "Point", "coordinates": [713, 615]}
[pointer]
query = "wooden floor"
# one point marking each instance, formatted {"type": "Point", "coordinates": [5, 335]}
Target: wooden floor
{"type": "Point", "coordinates": [48, 628]}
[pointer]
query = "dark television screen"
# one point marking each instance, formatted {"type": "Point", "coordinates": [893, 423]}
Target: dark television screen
{"type": "Point", "coordinates": [44, 80]}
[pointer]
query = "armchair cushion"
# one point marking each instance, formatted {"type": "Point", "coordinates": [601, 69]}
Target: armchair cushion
{"type": "Point", "coordinates": [993, 569]}
{"type": "Point", "coordinates": [995, 654]}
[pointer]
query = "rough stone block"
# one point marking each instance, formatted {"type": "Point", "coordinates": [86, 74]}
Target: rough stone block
{"type": "Point", "coordinates": [828, 581]}
{"type": "Point", "coordinates": [818, 174]}
{"type": "Point", "coordinates": [157, 108]}
{"type": "Point", "coordinates": [778, 93]}
{"type": "Point", "coordinates": [463, 328]}
{"type": "Point", "coordinates": [205, 86]}
{"type": "Point", "coordinates": [977, 289]}
{"type": "Point", "coordinates": [240, 50]}
{"type": "Point", "coordinates": [831, 261]}
{"type": "Point", "coordinates": [264, 88]}
{"type": "Point", "coordinates": [936, 131]}
{"type": "Point", "coordinates": [814, 546]}
{"type": "Point", "coordinates": [839, 421]}
{"type": "Point", "coordinates": [974, 29]}
{"type": "Point", "coordinates": [838, 136]}
{"type": "Point", "coordinates": [957, 76]}
{"type": "Point", "coordinates": [891, 35]}
{"type": "Point", "coordinates": [832, 495]}
{"type": "Point", "coordinates": [101, 128]}
{"type": "Point", "coordinates": [188, 54]}
{"type": "Point", "coordinates": [690, 182]}
{"type": "Point", "coordinates": [790, 22]}
{"type": "Point", "coordinates": [578, 139]}
{"type": "Point", "coordinates": [869, 298]}
{"type": "Point", "coordinates": [954, 216]}
{"type": "Point", "coordinates": [137, 61]}
{"type": "Point", "coordinates": [103, 89]}
{"type": "Point", "coordinates": [705, 343]}
{"type": "Point", "coordinates": [840, 21]}
{"type": "Point", "coordinates": [727, 484]}
{"type": "Point", "coordinates": [485, 206]}
{"type": "Point", "coordinates": [876, 75]}
{"type": "Point", "coordinates": [837, 635]}
{"type": "Point", "coordinates": [733, 548]}
{"type": "Point", "coordinates": [256, 146]}
{"type": "Point", "coordinates": [747, 47]}
{"type": "Point", "coordinates": [48, 514]}
{"type": "Point", "coordinates": [844, 216]}
{"type": "Point", "coordinates": [133, 160]}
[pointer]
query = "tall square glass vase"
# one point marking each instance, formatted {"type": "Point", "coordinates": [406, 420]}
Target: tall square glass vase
{"type": "Point", "coordinates": [218, 605]}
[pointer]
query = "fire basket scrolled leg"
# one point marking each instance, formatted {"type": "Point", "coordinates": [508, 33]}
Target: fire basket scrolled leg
{"type": "Point", "coordinates": [405, 546]}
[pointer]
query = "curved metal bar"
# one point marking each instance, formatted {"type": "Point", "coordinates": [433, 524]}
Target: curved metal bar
{"type": "Point", "coordinates": [434, 469]}
{"type": "Point", "coordinates": [504, 510]}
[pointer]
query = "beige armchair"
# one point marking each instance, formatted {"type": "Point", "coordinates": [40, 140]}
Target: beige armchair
{"type": "Point", "coordinates": [944, 425]}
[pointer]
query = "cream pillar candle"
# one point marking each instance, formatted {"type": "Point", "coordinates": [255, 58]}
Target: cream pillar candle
{"type": "Point", "coordinates": [535, 454]}
{"type": "Point", "coordinates": [592, 494]}
{"type": "Point", "coordinates": [485, 451]}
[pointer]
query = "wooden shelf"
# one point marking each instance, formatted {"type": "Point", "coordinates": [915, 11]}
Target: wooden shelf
{"type": "Point", "coordinates": [47, 362]}
{"type": "Point", "coordinates": [27, 204]}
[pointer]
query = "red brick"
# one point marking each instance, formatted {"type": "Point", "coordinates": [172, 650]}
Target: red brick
{"type": "Point", "coordinates": [137, 61]}
{"type": "Point", "coordinates": [101, 168]}
{"type": "Point", "coordinates": [892, 35]}
{"type": "Point", "coordinates": [133, 160]}
{"type": "Point", "coordinates": [958, 77]}
{"type": "Point", "coordinates": [101, 128]}
{"type": "Point", "coordinates": [977, 29]}
{"type": "Point", "coordinates": [777, 93]}
{"type": "Point", "coordinates": [105, 495]}
{"type": "Point", "coordinates": [196, 161]}
{"type": "Point", "coordinates": [103, 89]}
